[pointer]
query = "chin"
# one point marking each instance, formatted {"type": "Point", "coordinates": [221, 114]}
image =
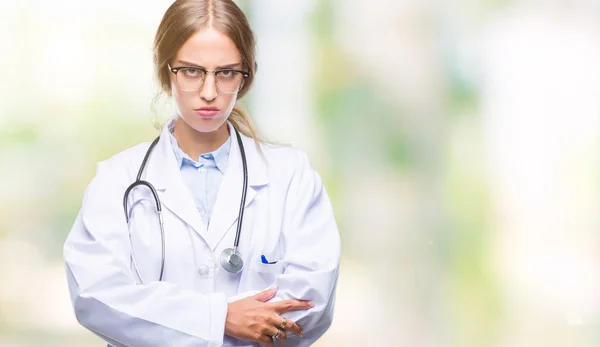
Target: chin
{"type": "Point", "coordinates": [205, 125]}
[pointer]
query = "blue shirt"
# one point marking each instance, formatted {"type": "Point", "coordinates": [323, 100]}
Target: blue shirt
{"type": "Point", "coordinates": [203, 177]}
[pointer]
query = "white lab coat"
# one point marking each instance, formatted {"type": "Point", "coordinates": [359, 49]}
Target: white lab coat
{"type": "Point", "coordinates": [288, 218]}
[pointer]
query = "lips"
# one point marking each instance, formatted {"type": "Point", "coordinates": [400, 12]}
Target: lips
{"type": "Point", "coordinates": [207, 112]}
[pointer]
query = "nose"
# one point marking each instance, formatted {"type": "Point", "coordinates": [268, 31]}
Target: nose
{"type": "Point", "coordinates": [208, 91]}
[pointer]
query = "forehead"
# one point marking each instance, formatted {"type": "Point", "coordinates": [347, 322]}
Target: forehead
{"type": "Point", "coordinates": [209, 48]}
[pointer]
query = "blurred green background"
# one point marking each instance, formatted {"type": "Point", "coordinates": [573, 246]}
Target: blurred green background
{"type": "Point", "coordinates": [458, 140]}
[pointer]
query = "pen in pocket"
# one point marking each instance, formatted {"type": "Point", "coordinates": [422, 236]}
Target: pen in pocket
{"type": "Point", "coordinates": [265, 261]}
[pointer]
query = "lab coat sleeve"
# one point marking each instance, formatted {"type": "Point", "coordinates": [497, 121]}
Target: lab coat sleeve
{"type": "Point", "coordinates": [312, 254]}
{"type": "Point", "coordinates": [105, 296]}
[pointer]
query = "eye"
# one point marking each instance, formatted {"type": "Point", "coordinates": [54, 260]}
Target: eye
{"type": "Point", "coordinates": [192, 72]}
{"type": "Point", "coordinates": [226, 74]}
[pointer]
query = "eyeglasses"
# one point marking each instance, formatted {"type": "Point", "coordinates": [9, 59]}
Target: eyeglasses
{"type": "Point", "coordinates": [191, 78]}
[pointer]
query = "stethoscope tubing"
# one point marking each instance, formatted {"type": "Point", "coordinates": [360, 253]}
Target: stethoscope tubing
{"type": "Point", "coordinates": [229, 266]}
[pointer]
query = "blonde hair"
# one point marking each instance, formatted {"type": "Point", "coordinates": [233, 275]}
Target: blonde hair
{"type": "Point", "coordinates": [185, 17]}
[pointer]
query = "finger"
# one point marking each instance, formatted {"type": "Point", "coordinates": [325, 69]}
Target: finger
{"type": "Point", "coordinates": [267, 340]}
{"type": "Point", "coordinates": [271, 331]}
{"type": "Point", "coordinates": [291, 305]}
{"type": "Point", "coordinates": [265, 295]}
{"type": "Point", "coordinates": [294, 328]}
{"type": "Point", "coordinates": [277, 321]}
{"type": "Point", "coordinates": [282, 336]}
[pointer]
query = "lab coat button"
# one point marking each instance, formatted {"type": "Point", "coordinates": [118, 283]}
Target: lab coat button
{"type": "Point", "coordinates": [203, 270]}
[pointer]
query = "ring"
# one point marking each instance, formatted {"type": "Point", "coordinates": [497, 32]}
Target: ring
{"type": "Point", "coordinates": [283, 324]}
{"type": "Point", "coordinates": [276, 336]}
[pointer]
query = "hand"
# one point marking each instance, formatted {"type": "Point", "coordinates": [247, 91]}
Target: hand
{"type": "Point", "coordinates": [255, 319]}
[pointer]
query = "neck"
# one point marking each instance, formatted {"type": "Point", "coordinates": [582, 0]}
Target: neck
{"type": "Point", "coordinates": [194, 143]}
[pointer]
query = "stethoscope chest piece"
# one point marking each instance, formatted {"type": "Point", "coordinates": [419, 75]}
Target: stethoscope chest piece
{"type": "Point", "coordinates": [231, 260]}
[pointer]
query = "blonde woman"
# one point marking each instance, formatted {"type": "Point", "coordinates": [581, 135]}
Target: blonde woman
{"type": "Point", "coordinates": [206, 236]}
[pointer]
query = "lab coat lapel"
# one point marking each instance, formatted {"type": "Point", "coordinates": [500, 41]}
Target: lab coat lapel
{"type": "Point", "coordinates": [227, 205]}
{"type": "Point", "coordinates": [164, 173]}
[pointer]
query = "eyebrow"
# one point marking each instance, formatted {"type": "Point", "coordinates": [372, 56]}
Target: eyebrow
{"type": "Point", "coordinates": [220, 67]}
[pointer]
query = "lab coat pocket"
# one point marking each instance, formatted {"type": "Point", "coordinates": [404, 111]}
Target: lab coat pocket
{"type": "Point", "coordinates": [276, 268]}
{"type": "Point", "coordinates": [263, 275]}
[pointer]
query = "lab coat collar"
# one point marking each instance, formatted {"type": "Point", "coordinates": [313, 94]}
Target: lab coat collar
{"type": "Point", "coordinates": [164, 173]}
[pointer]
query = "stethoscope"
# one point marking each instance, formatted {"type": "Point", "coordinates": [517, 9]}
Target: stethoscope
{"type": "Point", "coordinates": [231, 260]}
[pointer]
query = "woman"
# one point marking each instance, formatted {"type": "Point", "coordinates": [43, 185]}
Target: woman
{"type": "Point", "coordinates": [158, 254]}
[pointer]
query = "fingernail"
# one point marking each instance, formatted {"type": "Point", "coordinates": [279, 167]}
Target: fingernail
{"type": "Point", "coordinates": [311, 304]}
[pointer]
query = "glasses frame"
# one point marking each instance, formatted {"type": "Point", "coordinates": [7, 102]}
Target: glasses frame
{"type": "Point", "coordinates": [176, 69]}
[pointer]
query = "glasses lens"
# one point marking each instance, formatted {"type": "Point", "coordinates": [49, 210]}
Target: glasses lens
{"type": "Point", "coordinates": [190, 79]}
{"type": "Point", "coordinates": [229, 81]}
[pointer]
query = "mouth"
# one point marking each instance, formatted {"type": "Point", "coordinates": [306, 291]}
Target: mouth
{"type": "Point", "coordinates": [207, 112]}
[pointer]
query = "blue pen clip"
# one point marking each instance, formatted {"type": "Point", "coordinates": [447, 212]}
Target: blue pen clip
{"type": "Point", "coordinates": [265, 261]}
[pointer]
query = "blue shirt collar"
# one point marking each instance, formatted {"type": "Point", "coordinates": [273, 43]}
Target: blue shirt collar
{"type": "Point", "coordinates": [218, 157]}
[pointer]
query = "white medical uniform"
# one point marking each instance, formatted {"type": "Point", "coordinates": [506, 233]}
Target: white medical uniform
{"type": "Point", "coordinates": [288, 218]}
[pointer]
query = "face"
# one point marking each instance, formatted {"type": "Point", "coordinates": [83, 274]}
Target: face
{"type": "Point", "coordinates": [206, 109]}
